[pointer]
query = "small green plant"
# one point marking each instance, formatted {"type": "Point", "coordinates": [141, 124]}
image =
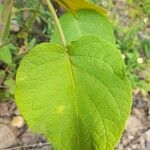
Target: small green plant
{"type": "Point", "coordinates": [7, 85]}
{"type": "Point", "coordinates": [74, 90]}
{"type": "Point", "coordinates": [5, 54]}
{"type": "Point", "coordinates": [134, 44]}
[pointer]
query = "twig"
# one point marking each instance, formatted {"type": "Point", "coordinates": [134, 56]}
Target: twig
{"type": "Point", "coordinates": [24, 9]}
{"type": "Point", "coordinates": [31, 21]}
{"type": "Point", "coordinates": [27, 146]}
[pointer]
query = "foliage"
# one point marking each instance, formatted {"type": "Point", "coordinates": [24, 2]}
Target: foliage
{"type": "Point", "coordinates": [76, 85]}
{"type": "Point", "coordinates": [21, 39]}
{"type": "Point", "coordinates": [5, 55]}
{"type": "Point", "coordinates": [5, 21]}
{"type": "Point", "coordinates": [83, 94]}
{"type": "Point", "coordinates": [74, 5]}
{"type": "Point", "coordinates": [35, 25]}
{"type": "Point", "coordinates": [134, 41]}
{"type": "Point", "coordinates": [146, 6]}
{"type": "Point", "coordinates": [142, 6]}
{"type": "Point", "coordinates": [97, 25]}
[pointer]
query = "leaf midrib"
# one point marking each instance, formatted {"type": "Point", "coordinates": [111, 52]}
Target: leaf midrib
{"type": "Point", "coordinates": [75, 98]}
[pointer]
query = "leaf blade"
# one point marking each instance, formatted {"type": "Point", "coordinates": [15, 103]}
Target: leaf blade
{"type": "Point", "coordinates": [74, 5]}
{"type": "Point", "coordinates": [94, 98]}
{"type": "Point", "coordinates": [5, 55]}
{"type": "Point", "coordinates": [86, 22]}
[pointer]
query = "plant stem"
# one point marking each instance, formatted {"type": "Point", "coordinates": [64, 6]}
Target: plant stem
{"type": "Point", "coordinates": [5, 21]}
{"type": "Point", "coordinates": [24, 9]}
{"type": "Point", "coordinates": [56, 20]}
{"type": "Point", "coordinates": [32, 19]}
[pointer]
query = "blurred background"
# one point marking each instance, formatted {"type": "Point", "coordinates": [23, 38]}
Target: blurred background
{"type": "Point", "coordinates": [31, 24]}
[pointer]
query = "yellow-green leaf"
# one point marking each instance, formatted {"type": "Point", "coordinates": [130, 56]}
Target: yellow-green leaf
{"type": "Point", "coordinates": [74, 5]}
{"type": "Point", "coordinates": [80, 98]}
{"type": "Point", "coordinates": [86, 22]}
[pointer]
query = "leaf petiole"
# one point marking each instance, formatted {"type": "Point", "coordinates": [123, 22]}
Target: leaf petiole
{"type": "Point", "coordinates": [56, 20]}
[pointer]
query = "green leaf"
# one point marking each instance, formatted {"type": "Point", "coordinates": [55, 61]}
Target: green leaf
{"type": "Point", "coordinates": [2, 75]}
{"type": "Point", "coordinates": [74, 5]}
{"type": "Point", "coordinates": [86, 22]}
{"type": "Point", "coordinates": [5, 55]}
{"type": "Point", "coordinates": [144, 85]}
{"type": "Point", "coordinates": [146, 6]}
{"type": "Point", "coordinates": [1, 8]}
{"type": "Point", "coordinates": [79, 98]}
{"type": "Point", "coordinates": [10, 84]}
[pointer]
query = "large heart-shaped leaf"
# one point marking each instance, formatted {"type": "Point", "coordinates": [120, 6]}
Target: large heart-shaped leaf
{"type": "Point", "coordinates": [86, 22]}
{"type": "Point", "coordinates": [78, 97]}
{"type": "Point", "coordinates": [74, 5]}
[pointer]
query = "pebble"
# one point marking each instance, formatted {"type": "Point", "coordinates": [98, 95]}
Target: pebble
{"type": "Point", "coordinates": [140, 103]}
{"type": "Point", "coordinates": [148, 146]}
{"type": "Point", "coordinates": [120, 147]}
{"type": "Point", "coordinates": [136, 147]}
{"type": "Point", "coordinates": [30, 138]}
{"type": "Point", "coordinates": [3, 109]}
{"type": "Point", "coordinates": [5, 120]}
{"type": "Point", "coordinates": [133, 125]}
{"type": "Point", "coordinates": [17, 122]}
{"type": "Point", "coordinates": [138, 113]}
{"type": "Point", "coordinates": [45, 148]}
{"type": "Point", "coordinates": [125, 141]}
{"type": "Point", "coordinates": [7, 137]}
{"type": "Point", "coordinates": [16, 112]}
{"type": "Point", "coordinates": [130, 137]}
{"type": "Point", "coordinates": [147, 136]}
{"type": "Point", "coordinates": [142, 142]}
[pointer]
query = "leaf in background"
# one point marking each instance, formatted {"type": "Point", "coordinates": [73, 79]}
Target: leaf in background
{"type": "Point", "coordinates": [5, 21]}
{"type": "Point", "coordinates": [1, 8]}
{"type": "Point", "coordinates": [74, 5]}
{"type": "Point", "coordinates": [10, 84]}
{"type": "Point", "coordinates": [79, 99]}
{"type": "Point", "coordinates": [2, 76]}
{"type": "Point", "coordinates": [5, 55]}
{"type": "Point", "coordinates": [143, 85]}
{"type": "Point", "coordinates": [145, 44]}
{"type": "Point", "coordinates": [146, 6]}
{"type": "Point", "coordinates": [86, 22]}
